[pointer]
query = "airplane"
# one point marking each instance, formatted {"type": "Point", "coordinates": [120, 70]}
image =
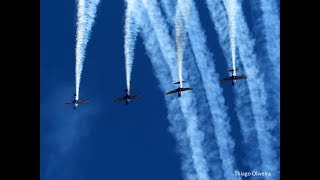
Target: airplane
{"type": "Point", "coordinates": [76, 102]}
{"type": "Point", "coordinates": [127, 97]}
{"type": "Point", "coordinates": [232, 78]}
{"type": "Point", "coordinates": [179, 89]}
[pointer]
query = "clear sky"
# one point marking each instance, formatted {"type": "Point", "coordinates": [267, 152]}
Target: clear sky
{"type": "Point", "coordinates": [102, 139]}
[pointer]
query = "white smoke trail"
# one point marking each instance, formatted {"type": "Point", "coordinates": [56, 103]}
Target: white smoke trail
{"type": "Point", "coordinates": [272, 32]}
{"type": "Point", "coordinates": [185, 10]}
{"type": "Point", "coordinates": [85, 15]}
{"type": "Point", "coordinates": [180, 42]}
{"type": "Point", "coordinates": [130, 36]}
{"type": "Point", "coordinates": [246, 120]}
{"type": "Point", "coordinates": [215, 100]}
{"type": "Point", "coordinates": [166, 6]}
{"type": "Point", "coordinates": [244, 113]}
{"type": "Point", "coordinates": [187, 106]}
{"type": "Point", "coordinates": [232, 11]}
{"type": "Point", "coordinates": [257, 89]}
{"type": "Point", "coordinates": [162, 72]}
{"type": "Point", "coordinates": [181, 20]}
{"type": "Point", "coordinates": [258, 96]}
{"type": "Point", "coordinates": [175, 116]}
{"type": "Point", "coordinates": [257, 92]}
{"type": "Point", "coordinates": [210, 148]}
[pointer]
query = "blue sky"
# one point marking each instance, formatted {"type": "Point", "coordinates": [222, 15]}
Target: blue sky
{"type": "Point", "coordinates": [104, 140]}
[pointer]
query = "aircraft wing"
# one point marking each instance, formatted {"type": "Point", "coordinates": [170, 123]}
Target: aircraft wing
{"type": "Point", "coordinates": [120, 99]}
{"type": "Point", "coordinates": [135, 96]}
{"type": "Point", "coordinates": [185, 89]}
{"type": "Point", "coordinates": [225, 79]}
{"type": "Point", "coordinates": [241, 77]}
{"type": "Point", "coordinates": [67, 104]}
{"type": "Point", "coordinates": [174, 91]}
{"type": "Point", "coordinates": [83, 101]}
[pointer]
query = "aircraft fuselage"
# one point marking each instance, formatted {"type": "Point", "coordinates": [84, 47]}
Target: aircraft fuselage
{"type": "Point", "coordinates": [75, 104]}
{"type": "Point", "coordinates": [179, 92]}
{"type": "Point", "coordinates": [233, 79]}
{"type": "Point", "coordinates": [128, 97]}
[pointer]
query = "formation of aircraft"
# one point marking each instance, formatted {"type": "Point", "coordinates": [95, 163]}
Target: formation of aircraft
{"type": "Point", "coordinates": [127, 97]}
{"type": "Point", "coordinates": [179, 89]}
{"type": "Point", "coordinates": [76, 102]}
{"type": "Point", "coordinates": [233, 78]}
